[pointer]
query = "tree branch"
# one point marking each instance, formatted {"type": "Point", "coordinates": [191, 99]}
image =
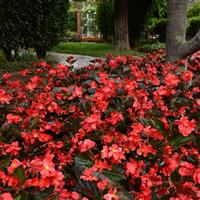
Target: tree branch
{"type": "Point", "coordinates": [191, 46]}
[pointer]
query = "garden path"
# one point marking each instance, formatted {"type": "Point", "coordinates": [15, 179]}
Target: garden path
{"type": "Point", "coordinates": [81, 60]}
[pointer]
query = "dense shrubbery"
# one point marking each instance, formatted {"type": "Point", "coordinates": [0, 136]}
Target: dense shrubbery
{"type": "Point", "coordinates": [36, 24]}
{"type": "Point", "coordinates": [157, 21]}
{"type": "Point", "coordinates": [105, 19]}
{"type": "Point", "coordinates": [128, 129]}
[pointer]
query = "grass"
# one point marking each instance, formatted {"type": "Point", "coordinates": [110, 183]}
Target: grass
{"type": "Point", "coordinates": [24, 62]}
{"type": "Point", "coordinates": [92, 49]}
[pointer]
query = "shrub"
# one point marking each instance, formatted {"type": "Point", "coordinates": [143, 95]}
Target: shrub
{"type": "Point", "coordinates": [127, 129]}
{"type": "Point", "coordinates": [36, 24]}
{"type": "Point", "coordinates": [105, 19]}
{"type": "Point", "coordinates": [194, 10]}
{"type": "Point", "coordinates": [71, 21]}
{"type": "Point", "coordinates": [157, 26]}
{"type": "Point", "coordinates": [194, 26]}
{"type": "Point", "coordinates": [150, 47]}
{"type": "Point", "coordinates": [70, 36]}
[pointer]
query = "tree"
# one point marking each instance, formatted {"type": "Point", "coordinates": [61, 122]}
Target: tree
{"type": "Point", "coordinates": [176, 44]}
{"type": "Point", "coordinates": [105, 18]}
{"type": "Point", "coordinates": [37, 24]}
{"type": "Point", "coordinates": [46, 24]}
{"type": "Point", "coordinates": [10, 27]}
{"type": "Point", "coordinates": [121, 25]}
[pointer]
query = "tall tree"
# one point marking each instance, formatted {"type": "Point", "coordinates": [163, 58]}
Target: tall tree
{"type": "Point", "coordinates": [176, 44]}
{"type": "Point", "coordinates": [121, 24]}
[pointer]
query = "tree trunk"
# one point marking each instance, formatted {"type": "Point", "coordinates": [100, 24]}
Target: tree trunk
{"type": "Point", "coordinates": [121, 25]}
{"type": "Point", "coordinates": [8, 54]}
{"type": "Point", "coordinates": [176, 44]}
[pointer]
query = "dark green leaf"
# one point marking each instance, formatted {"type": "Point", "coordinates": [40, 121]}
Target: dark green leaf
{"type": "Point", "coordinates": [181, 140]}
{"type": "Point", "coordinates": [155, 123]}
{"type": "Point", "coordinates": [71, 90]}
{"type": "Point", "coordinates": [19, 174]}
{"type": "Point", "coordinates": [114, 176]}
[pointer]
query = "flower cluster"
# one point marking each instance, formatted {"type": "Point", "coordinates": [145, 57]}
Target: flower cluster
{"type": "Point", "coordinates": [125, 129]}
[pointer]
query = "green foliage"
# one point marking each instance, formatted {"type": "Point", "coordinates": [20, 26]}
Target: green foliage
{"type": "Point", "coordinates": [47, 22]}
{"type": "Point", "coordinates": [92, 49]}
{"type": "Point", "coordinates": [193, 16]}
{"type": "Point", "coordinates": [36, 24]}
{"type": "Point", "coordinates": [156, 23]}
{"type": "Point", "coordinates": [137, 16]}
{"type": "Point", "coordinates": [70, 36]}
{"type": "Point", "coordinates": [105, 18]}
{"type": "Point", "coordinates": [71, 20]}
{"type": "Point", "coordinates": [158, 9]}
{"type": "Point", "coordinates": [149, 47]}
{"type": "Point", "coordinates": [194, 10]}
{"type": "Point", "coordinates": [194, 26]}
{"type": "Point", "coordinates": [157, 26]}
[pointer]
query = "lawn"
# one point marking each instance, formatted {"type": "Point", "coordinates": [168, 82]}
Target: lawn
{"type": "Point", "coordinates": [92, 49]}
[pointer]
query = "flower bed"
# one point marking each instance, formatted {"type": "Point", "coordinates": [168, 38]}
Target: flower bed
{"type": "Point", "coordinates": [126, 130]}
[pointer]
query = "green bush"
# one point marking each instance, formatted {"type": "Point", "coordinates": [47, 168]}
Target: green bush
{"type": "Point", "coordinates": [71, 21]}
{"type": "Point", "coordinates": [194, 11]}
{"type": "Point", "coordinates": [105, 19]}
{"type": "Point", "coordinates": [36, 24]}
{"type": "Point", "coordinates": [150, 47]}
{"type": "Point", "coordinates": [137, 16]}
{"type": "Point", "coordinates": [70, 36]}
{"type": "Point", "coordinates": [194, 26]}
{"type": "Point", "coordinates": [157, 26]}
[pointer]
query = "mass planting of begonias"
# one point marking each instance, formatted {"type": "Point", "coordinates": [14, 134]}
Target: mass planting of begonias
{"type": "Point", "coordinates": [125, 129]}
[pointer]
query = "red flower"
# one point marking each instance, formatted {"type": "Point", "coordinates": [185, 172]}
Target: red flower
{"type": "Point", "coordinates": [115, 118]}
{"type": "Point", "coordinates": [111, 195]}
{"type": "Point", "coordinates": [88, 175]}
{"type": "Point", "coordinates": [4, 98]}
{"type": "Point", "coordinates": [14, 164]}
{"type": "Point", "coordinates": [171, 80]}
{"type": "Point", "coordinates": [76, 93]}
{"type": "Point", "coordinates": [132, 168]}
{"type": "Point", "coordinates": [145, 149]}
{"type": "Point", "coordinates": [102, 184]}
{"type": "Point", "coordinates": [13, 118]}
{"type": "Point", "coordinates": [116, 153]}
{"type": "Point", "coordinates": [196, 176]}
{"type": "Point", "coordinates": [6, 196]}
{"type": "Point", "coordinates": [186, 169]}
{"type": "Point", "coordinates": [75, 195]}
{"type": "Point", "coordinates": [13, 148]}
{"type": "Point", "coordinates": [91, 122]}
{"type": "Point", "coordinates": [102, 165]}
{"type": "Point", "coordinates": [86, 145]}
{"type": "Point", "coordinates": [185, 126]}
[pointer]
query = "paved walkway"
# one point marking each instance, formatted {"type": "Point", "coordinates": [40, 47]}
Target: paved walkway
{"type": "Point", "coordinates": [81, 60]}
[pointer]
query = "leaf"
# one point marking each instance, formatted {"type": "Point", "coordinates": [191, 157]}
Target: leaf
{"type": "Point", "coordinates": [18, 197]}
{"type": "Point", "coordinates": [82, 163]}
{"type": "Point", "coordinates": [88, 189]}
{"type": "Point", "coordinates": [71, 90]}
{"type": "Point", "coordinates": [21, 196]}
{"type": "Point", "coordinates": [19, 174]}
{"type": "Point", "coordinates": [44, 194]}
{"type": "Point", "coordinates": [114, 176]}
{"type": "Point", "coordinates": [5, 162]}
{"type": "Point", "coordinates": [181, 140]}
{"type": "Point", "coordinates": [155, 123]}
{"type": "Point", "coordinates": [124, 195]}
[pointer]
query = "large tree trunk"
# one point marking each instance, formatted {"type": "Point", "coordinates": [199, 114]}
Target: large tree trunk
{"type": "Point", "coordinates": [176, 44]}
{"type": "Point", "coordinates": [121, 25]}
